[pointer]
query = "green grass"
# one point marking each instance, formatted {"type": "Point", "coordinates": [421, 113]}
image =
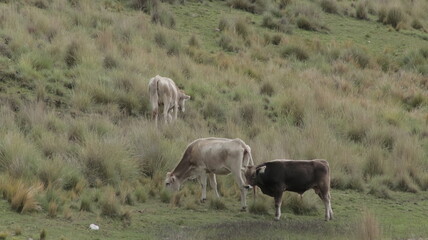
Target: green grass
{"type": "Point", "coordinates": [154, 220]}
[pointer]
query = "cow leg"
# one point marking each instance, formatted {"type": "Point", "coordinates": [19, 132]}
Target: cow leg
{"type": "Point", "coordinates": [239, 180]}
{"type": "Point", "coordinates": [203, 179]}
{"type": "Point", "coordinates": [175, 110]}
{"type": "Point", "coordinates": [325, 197]}
{"type": "Point", "coordinates": [213, 183]}
{"type": "Point", "coordinates": [278, 202]}
{"type": "Point", "coordinates": [155, 116]}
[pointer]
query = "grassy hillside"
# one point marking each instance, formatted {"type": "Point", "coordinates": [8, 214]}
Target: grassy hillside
{"type": "Point", "coordinates": [341, 80]}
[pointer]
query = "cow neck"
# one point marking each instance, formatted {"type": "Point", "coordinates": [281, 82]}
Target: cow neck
{"type": "Point", "coordinates": [184, 167]}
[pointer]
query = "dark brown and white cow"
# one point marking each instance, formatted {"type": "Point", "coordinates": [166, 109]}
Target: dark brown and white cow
{"type": "Point", "coordinates": [163, 91]}
{"type": "Point", "coordinates": [211, 156]}
{"type": "Point", "coordinates": [275, 177]}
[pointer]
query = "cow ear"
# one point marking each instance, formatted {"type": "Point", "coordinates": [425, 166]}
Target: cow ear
{"type": "Point", "coordinates": [186, 97]}
{"type": "Point", "coordinates": [261, 170]}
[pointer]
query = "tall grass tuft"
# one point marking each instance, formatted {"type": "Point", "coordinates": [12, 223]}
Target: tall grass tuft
{"type": "Point", "coordinates": [368, 227]}
{"type": "Point", "coordinates": [110, 206]}
{"type": "Point", "coordinates": [329, 6]}
{"type": "Point", "coordinates": [394, 16]}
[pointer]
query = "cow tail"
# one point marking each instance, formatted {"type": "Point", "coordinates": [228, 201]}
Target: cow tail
{"type": "Point", "coordinates": [248, 158]}
{"type": "Point", "coordinates": [154, 95]}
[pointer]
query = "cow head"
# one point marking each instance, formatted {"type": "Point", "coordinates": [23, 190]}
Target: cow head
{"type": "Point", "coordinates": [171, 182]}
{"type": "Point", "coordinates": [182, 100]}
{"type": "Point", "coordinates": [251, 173]}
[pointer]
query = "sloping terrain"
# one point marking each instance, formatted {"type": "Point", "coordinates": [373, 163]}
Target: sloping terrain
{"type": "Point", "coordinates": [341, 80]}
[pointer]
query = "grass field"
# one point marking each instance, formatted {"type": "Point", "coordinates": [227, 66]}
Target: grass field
{"type": "Point", "coordinates": [345, 81]}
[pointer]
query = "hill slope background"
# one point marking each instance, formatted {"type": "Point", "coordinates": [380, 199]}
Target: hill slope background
{"type": "Point", "coordinates": [344, 81]}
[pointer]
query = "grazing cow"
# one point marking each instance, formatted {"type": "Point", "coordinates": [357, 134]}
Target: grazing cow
{"type": "Point", "coordinates": [163, 91]}
{"type": "Point", "coordinates": [275, 177]}
{"type": "Point", "coordinates": [211, 156]}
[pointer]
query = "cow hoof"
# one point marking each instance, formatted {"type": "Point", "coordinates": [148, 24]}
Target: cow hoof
{"type": "Point", "coordinates": [248, 187]}
{"type": "Point", "coordinates": [243, 209]}
{"type": "Point", "coordinates": [203, 200]}
{"type": "Point", "coordinates": [276, 219]}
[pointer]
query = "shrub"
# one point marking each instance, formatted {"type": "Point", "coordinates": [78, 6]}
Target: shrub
{"type": "Point", "coordinates": [165, 196]}
{"type": "Point", "coordinates": [164, 18]}
{"type": "Point", "coordinates": [194, 42]}
{"type": "Point", "coordinates": [23, 198]}
{"type": "Point", "coordinates": [160, 39]}
{"type": "Point", "coordinates": [223, 24]}
{"type": "Point", "coordinates": [245, 5]}
{"type": "Point", "coordinates": [374, 163]}
{"type": "Point", "coordinates": [53, 209]}
{"type": "Point", "coordinates": [329, 6]}
{"type": "Point", "coordinates": [357, 55]}
{"type": "Point", "coordinates": [242, 29]}
{"type": "Point", "coordinates": [109, 204]}
{"type": "Point", "coordinates": [395, 16]}
{"type": "Point", "coordinates": [217, 204]}
{"type": "Point", "coordinates": [300, 205]}
{"type": "Point", "coordinates": [382, 15]}
{"type": "Point", "coordinates": [141, 194]}
{"type": "Point", "coordinates": [361, 11]}
{"type": "Point", "coordinates": [86, 203]}
{"type": "Point", "coordinates": [305, 23]}
{"type": "Point", "coordinates": [368, 227]}
{"type": "Point", "coordinates": [296, 51]}
{"type": "Point", "coordinates": [110, 62]}
{"type": "Point", "coordinates": [71, 55]}
{"type": "Point", "coordinates": [378, 189]}
{"type": "Point", "coordinates": [276, 39]}
{"type": "Point", "coordinates": [268, 22]}
{"type": "Point", "coordinates": [259, 207]}
{"type": "Point", "coordinates": [267, 89]}
{"type": "Point", "coordinates": [148, 6]}
{"type": "Point", "coordinates": [227, 44]}
{"type": "Point", "coordinates": [173, 48]}
{"type": "Point", "coordinates": [416, 24]}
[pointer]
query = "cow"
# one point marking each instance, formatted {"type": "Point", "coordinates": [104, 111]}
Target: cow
{"type": "Point", "coordinates": [163, 91]}
{"type": "Point", "coordinates": [276, 176]}
{"type": "Point", "coordinates": [211, 156]}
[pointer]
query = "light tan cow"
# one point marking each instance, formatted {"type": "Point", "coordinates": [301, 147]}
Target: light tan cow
{"type": "Point", "coordinates": [163, 91]}
{"type": "Point", "coordinates": [211, 156]}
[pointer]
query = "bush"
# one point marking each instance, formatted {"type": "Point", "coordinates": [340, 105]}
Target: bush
{"type": "Point", "coordinates": [223, 24]}
{"type": "Point", "coordinates": [227, 44]}
{"type": "Point", "coordinates": [267, 89]}
{"type": "Point", "coordinates": [164, 18]}
{"type": "Point", "coordinates": [242, 29]}
{"type": "Point", "coordinates": [394, 17]}
{"type": "Point", "coordinates": [374, 163]}
{"type": "Point", "coordinates": [194, 42]}
{"type": "Point", "coordinates": [110, 62]}
{"type": "Point", "coordinates": [296, 51]}
{"type": "Point", "coordinates": [71, 55]}
{"type": "Point", "coordinates": [165, 196]}
{"type": "Point", "coordinates": [357, 55]}
{"type": "Point", "coordinates": [259, 207]}
{"type": "Point", "coordinates": [416, 24]}
{"type": "Point", "coordinates": [369, 227]}
{"type": "Point", "coordinates": [217, 204]}
{"type": "Point", "coordinates": [361, 11]}
{"type": "Point", "coordinates": [305, 23]}
{"type": "Point", "coordinates": [161, 39]}
{"type": "Point", "coordinates": [110, 206]}
{"type": "Point", "coordinates": [148, 6]}
{"type": "Point", "coordinates": [300, 205]}
{"type": "Point", "coordinates": [329, 6]}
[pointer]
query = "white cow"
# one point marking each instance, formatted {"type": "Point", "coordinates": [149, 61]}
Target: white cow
{"type": "Point", "coordinates": [210, 156]}
{"type": "Point", "coordinates": [163, 91]}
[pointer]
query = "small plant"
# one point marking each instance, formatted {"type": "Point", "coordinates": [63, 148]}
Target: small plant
{"type": "Point", "coordinates": [52, 209]}
{"type": "Point", "coordinates": [110, 62]}
{"type": "Point", "coordinates": [416, 24]}
{"type": "Point", "coordinates": [300, 205]}
{"type": "Point", "coordinates": [165, 196]}
{"type": "Point", "coordinates": [295, 51]}
{"type": "Point", "coordinates": [241, 28]}
{"type": "Point", "coordinates": [110, 204]}
{"type": "Point", "coordinates": [217, 204]}
{"type": "Point", "coordinates": [329, 6]}
{"type": "Point", "coordinates": [361, 11]}
{"type": "Point", "coordinates": [86, 203]}
{"type": "Point", "coordinates": [223, 24]}
{"type": "Point", "coordinates": [369, 227]}
{"type": "Point", "coordinates": [267, 89]}
{"type": "Point", "coordinates": [394, 17]}
{"type": "Point", "coordinates": [194, 42]}
{"type": "Point", "coordinates": [43, 235]}
{"type": "Point", "coordinates": [259, 207]}
{"type": "Point", "coordinates": [71, 56]}
{"type": "Point", "coordinates": [160, 39]}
